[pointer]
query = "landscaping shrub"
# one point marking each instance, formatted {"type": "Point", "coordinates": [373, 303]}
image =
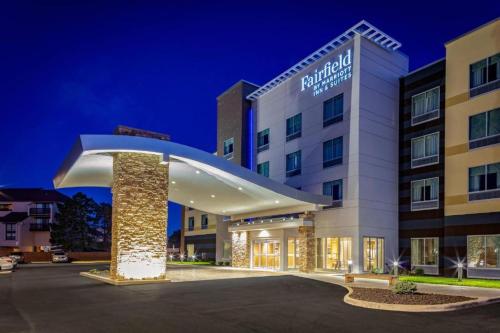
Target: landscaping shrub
{"type": "Point", "coordinates": [405, 288]}
{"type": "Point", "coordinates": [419, 271]}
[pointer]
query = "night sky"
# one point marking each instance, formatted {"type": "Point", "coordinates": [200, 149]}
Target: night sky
{"type": "Point", "coordinates": [83, 67]}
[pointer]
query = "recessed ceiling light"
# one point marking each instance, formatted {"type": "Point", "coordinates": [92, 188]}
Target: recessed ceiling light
{"type": "Point", "coordinates": [276, 201]}
{"type": "Point", "coordinates": [173, 181]}
{"type": "Point", "coordinates": [191, 201]}
{"type": "Point", "coordinates": [212, 195]}
{"type": "Point", "coordinates": [197, 172]}
{"type": "Point", "coordinates": [240, 188]}
{"type": "Point", "coordinates": [223, 211]}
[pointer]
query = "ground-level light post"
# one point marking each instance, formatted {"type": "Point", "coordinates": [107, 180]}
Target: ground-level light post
{"type": "Point", "coordinates": [349, 266]}
{"type": "Point", "coordinates": [460, 268]}
{"type": "Point", "coordinates": [396, 267]}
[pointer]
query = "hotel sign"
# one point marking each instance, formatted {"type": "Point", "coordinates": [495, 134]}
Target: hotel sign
{"type": "Point", "coordinates": [332, 74]}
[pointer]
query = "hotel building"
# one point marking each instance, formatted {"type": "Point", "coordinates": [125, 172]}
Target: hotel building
{"type": "Point", "coordinates": [472, 151]}
{"type": "Point", "coordinates": [26, 215]}
{"type": "Point", "coordinates": [345, 162]}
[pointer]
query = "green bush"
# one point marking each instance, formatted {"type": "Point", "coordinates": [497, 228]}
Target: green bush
{"type": "Point", "coordinates": [419, 271]}
{"type": "Point", "coordinates": [405, 288]}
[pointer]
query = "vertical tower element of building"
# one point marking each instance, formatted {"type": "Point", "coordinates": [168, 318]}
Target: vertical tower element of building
{"type": "Point", "coordinates": [241, 249]}
{"type": "Point", "coordinates": [140, 194]}
{"type": "Point", "coordinates": [306, 249]}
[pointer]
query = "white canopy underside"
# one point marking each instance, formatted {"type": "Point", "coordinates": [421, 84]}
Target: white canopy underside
{"type": "Point", "coordinates": [197, 179]}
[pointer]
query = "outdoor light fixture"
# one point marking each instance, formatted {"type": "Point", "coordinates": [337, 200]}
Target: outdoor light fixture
{"type": "Point", "coordinates": [212, 195]}
{"type": "Point", "coordinates": [191, 201]}
{"type": "Point", "coordinates": [396, 267]}
{"type": "Point", "coordinates": [276, 201]}
{"type": "Point", "coordinates": [197, 172]}
{"type": "Point", "coordinates": [173, 181]}
{"type": "Point", "coordinates": [349, 266]}
{"type": "Point", "coordinates": [460, 268]}
{"type": "Point", "coordinates": [240, 188]}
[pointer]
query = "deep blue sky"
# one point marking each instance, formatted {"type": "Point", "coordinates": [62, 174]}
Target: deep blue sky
{"type": "Point", "coordinates": [83, 67]}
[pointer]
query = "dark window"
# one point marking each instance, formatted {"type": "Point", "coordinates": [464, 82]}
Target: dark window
{"type": "Point", "coordinates": [484, 182]}
{"type": "Point", "coordinates": [10, 231]}
{"type": "Point", "coordinates": [263, 140]}
{"type": "Point", "coordinates": [293, 164]}
{"type": "Point", "coordinates": [484, 129]}
{"type": "Point", "coordinates": [333, 110]}
{"type": "Point", "coordinates": [191, 223]}
{"type": "Point", "coordinates": [484, 75]}
{"type": "Point", "coordinates": [204, 221]}
{"type": "Point", "coordinates": [333, 189]}
{"type": "Point", "coordinates": [294, 127]}
{"type": "Point", "coordinates": [332, 152]}
{"type": "Point", "coordinates": [228, 148]}
{"type": "Point", "coordinates": [263, 169]}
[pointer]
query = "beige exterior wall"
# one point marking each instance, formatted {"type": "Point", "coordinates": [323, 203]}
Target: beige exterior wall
{"type": "Point", "coordinates": [212, 223]}
{"type": "Point", "coordinates": [460, 53]}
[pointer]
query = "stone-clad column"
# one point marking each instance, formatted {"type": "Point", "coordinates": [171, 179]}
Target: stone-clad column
{"type": "Point", "coordinates": [306, 249]}
{"type": "Point", "coordinates": [240, 249]}
{"type": "Point", "coordinates": [140, 195]}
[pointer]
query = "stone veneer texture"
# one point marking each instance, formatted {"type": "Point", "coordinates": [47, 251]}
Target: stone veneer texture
{"type": "Point", "coordinates": [140, 195]}
{"type": "Point", "coordinates": [306, 249]}
{"type": "Point", "coordinates": [240, 249]}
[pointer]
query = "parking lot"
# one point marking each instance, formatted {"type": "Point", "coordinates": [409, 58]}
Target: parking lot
{"type": "Point", "coordinates": [54, 298]}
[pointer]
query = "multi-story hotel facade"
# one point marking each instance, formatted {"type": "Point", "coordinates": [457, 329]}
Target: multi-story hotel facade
{"type": "Point", "coordinates": [329, 126]}
{"type": "Point", "coordinates": [472, 151]}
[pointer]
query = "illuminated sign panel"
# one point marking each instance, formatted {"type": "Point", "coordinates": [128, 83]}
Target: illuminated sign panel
{"type": "Point", "coordinates": [330, 75]}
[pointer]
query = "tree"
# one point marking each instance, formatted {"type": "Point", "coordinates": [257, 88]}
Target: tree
{"type": "Point", "coordinates": [74, 220]}
{"type": "Point", "coordinates": [104, 218]}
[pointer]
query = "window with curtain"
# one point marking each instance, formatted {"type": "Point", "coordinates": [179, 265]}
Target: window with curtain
{"type": "Point", "coordinates": [484, 75]}
{"type": "Point", "coordinates": [263, 140]}
{"type": "Point", "coordinates": [424, 251]}
{"type": "Point", "coordinates": [191, 223]}
{"type": "Point", "coordinates": [332, 152]}
{"type": "Point", "coordinates": [484, 178]}
{"type": "Point", "coordinates": [424, 147]}
{"type": "Point", "coordinates": [333, 110]}
{"type": "Point", "coordinates": [294, 127]}
{"type": "Point", "coordinates": [10, 231]}
{"type": "Point", "coordinates": [483, 251]}
{"type": "Point", "coordinates": [425, 190]}
{"type": "Point", "coordinates": [425, 103]}
{"type": "Point", "coordinates": [263, 169]}
{"type": "Point", "coordinates": [484, 124]}
{"type": "Point", "coordinates": [293, 163]}
{"type": "Point", "coordinates": [333, 189]}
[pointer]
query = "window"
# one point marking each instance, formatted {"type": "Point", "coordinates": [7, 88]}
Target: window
{"type": "Point", "coordinates": [484, 129]}
{"type": "Point", "coordinates": [425, 150]}
{"type": "Point", "coordinates": [10, 231]}
{"type": "Point", "coordinates": [424, 251]}
{"type": "Point", "coordinates": [204, 221]}
{"type": "Point", "coordinates": [293, 164]}
{"type": "Point", "coordinates": [425, 106]}
{"type": "Point", "coordinates": [294, 127]}
{"type": "Point", "coordinates": [425, 194]}
{"type": "Point", "coordinates": [333, 110]}
{"type": "Point", "coordinates": [333, 253]}
{"type": "Point", "coordinates": [191, 223]}
{"type": "Point", "coordinates": [332, 152]}
{"type": "Point", "coordinates": [334, 190]}
{"type": "Point", "coordinates": [484, 182]}
{"type": "Point", "coordinates": [190, 250]}
{"type": "Point", "coordinates": [263, 140]}
{"type": "Point", "coordinates": [484, 75]}
{"type": "Point", "coordinates": [373, 259]}
{"type": "Point", "coordinates": [228, 148]}
{"type": "Point", "coordinates": [483, 251]}
{"type": "Point", "coordinates": [263, 169]}
{"type": "Point", "coordinates": [226, 250]}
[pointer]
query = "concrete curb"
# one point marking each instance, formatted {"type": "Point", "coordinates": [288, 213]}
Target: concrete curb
{"type": "Point", "coordinates": [108, 280]}
{"type": "Point", "coordinates": [5, 272]}
{"type": "Point", "coordinates": [480, 301]}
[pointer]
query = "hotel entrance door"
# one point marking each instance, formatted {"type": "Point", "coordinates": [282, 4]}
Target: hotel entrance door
{"type": "Point", "coordinates": [266, 254]}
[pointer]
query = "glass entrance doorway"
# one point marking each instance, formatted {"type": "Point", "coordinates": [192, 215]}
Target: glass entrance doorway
{"type": "Point", "coordinates": [266, 254]}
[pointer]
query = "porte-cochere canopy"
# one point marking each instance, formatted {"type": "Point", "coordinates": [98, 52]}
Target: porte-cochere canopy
{"type": "Point", "coordinates": [197, 179]}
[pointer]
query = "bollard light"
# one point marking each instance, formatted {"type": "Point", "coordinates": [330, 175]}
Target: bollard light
{"type": "Point", "coordinates": [460, 267]}
{"type": "Point", "coordinates": [396, 267]}
{"type": "Point", "coordinates": [349, 266]}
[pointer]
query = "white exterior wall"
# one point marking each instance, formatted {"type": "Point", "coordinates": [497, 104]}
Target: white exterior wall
{"type": "Point", "coordinates": [370, 138]}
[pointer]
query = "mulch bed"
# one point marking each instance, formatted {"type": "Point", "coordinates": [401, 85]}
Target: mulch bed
{"type": "Point", "coordinates": [389, 297]}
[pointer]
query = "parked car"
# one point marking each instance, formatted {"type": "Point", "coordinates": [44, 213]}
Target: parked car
{"type": "Point", "coordinates": [59, 256]}
{"type": "Point", "coordinates": [6, 263]}
{"type": "Point", "coordinates": [18, 256]}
